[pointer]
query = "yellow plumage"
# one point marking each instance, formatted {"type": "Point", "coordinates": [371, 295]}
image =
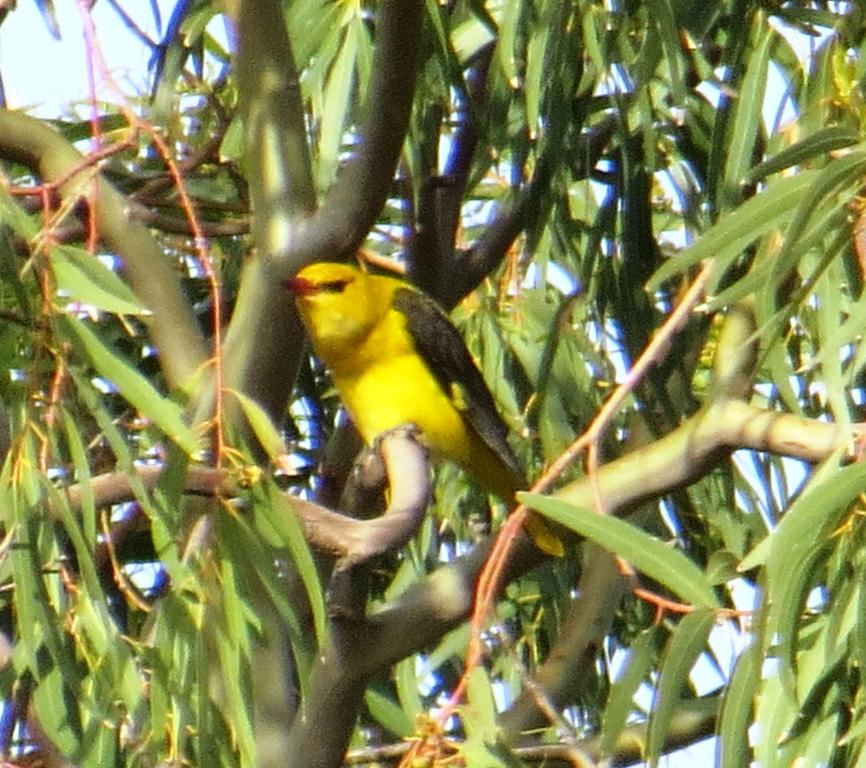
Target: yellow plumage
{"type": "Point", "coordinates": [396, 359]}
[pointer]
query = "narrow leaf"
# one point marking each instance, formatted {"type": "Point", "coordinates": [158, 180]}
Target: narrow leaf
{"type": "Point", "coordinates": [796, 549]}
{"type": "Point", "coordinates": [754, 218]}
{"type": "Point", "coordinates": [141, 394]}
{"type": "Point", "coordinates": [842, 171]}
{"type": "Point", "coordinates": [261, 424]}
{"type": "Point", "coordinates": [733, 743]}
{"type": "Point", "coordinates": [818, 144]}
{"type": "Point", "coordinates": [662, 14]}
{"type": "Point", "coordinates": [86, 279]}
{"type": "Point", "coordinates": [683, 649]}
{"type": "Point", "coordinates": [646, 553]}
{"type": "Point", "coordinates": [620, 702]}
{"type": "Point", "coordinates": [388, 714]}
{"type": "Point", "coordinates": [278, 512]}
{"type": "Point", "coordinates": [747, 119]}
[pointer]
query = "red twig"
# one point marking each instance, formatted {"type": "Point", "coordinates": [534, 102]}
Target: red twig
{"type": "Point", "coordinates": [200, 243]}
{"type": "Point", "coordinates": [491, 574]}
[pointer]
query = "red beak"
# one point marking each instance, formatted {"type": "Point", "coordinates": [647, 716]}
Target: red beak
{"type": "Point", "coordinates": [300, 286]}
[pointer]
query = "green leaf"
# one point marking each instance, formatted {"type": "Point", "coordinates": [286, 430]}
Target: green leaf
{"type": "Point", "coordinates": [232, 630]}
{"type": "Point", "coordinates": [468, 37]}
{"type": "Point", "coordinates": [686, 644]}
{"type": "Point", "coordinates": [138, 391]}
{"type": "Point", "coordinates": [733, 743]}
{"type": "Point", "coordinates": [817, 747]}
{"type": "Point", "coordinates": [335, 109]}
{"type": "Point", "coordinates": [721, 567]}
{"type": "Point", "coordinates": [797, 547]}
{"type": "Point", "coordinates": [839, 172]}
{"type": "Point", "coordinates": [407, 683]}
{"type": "Point", "coordinates": [78, 453]}
{"type": "Point", "coordinates": [233, 145]}
{"type": "Point", "coordinates": [86, 279]}
{"type": "Point", "coordinates": [262, 426]}
{"type": "Point", "coordinates": [747, 119]}
{"type": "Point", "coordinates": [818, 144]}
{"type": "Point", "coordinates": [245, 544]}
{"type": "Point", "coordinates": [100, 742]}
{"type": "Point", "coordinates": [734, 232]}
{"type": "Point", "coordinates": [235, 679]}
{"type": "Point", "coordinates": [84, 547]}
{"type": "Point", "coordinates": [620, 703]}
{"type": "Point", "coordinates": [451, 646]}
{"type": "Point", "coordinates": [646, 553]}
{"type": "Point", "coordinates": [479, 713]}
{"type": "Point", "coordinates": [757, 556]}
{"type": "Point", "coordinates": [277, 510]}
{"type": "Point", "coordinates": [833, 304]}
{"type": "Point", "coordinates": [37, 623]}
{"type": "Point", "coordinates": [388, 714]}
{"type": "Point", "coordinates": [831, 677]}
{"type": "Point", "coordinates": [56, 708]}
{"type": "Point", "coordinates": [774, 708]}
{"type": "Point", "coordinates": [662, 14]}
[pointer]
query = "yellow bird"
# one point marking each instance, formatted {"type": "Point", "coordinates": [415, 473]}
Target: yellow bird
{"type": "Point", "coordinates": [395, 359]}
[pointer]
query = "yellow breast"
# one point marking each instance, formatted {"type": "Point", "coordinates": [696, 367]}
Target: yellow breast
{"type": "Point", "coordinates": [384, 384]}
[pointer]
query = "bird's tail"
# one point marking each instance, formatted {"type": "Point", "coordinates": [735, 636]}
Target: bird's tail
{"type": "Point", "coordinates": [543, 535]}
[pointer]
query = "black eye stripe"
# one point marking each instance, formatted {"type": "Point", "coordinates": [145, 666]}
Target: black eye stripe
{"type": "Point", "coordinates": [334, 286]}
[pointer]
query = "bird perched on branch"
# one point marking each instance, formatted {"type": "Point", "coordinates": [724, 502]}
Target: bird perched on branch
{"type": "Point", "coordinates": [395, 359]}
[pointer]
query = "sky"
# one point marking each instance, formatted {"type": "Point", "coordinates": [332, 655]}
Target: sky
{"type": "Point", "coordinates": [40, 72]}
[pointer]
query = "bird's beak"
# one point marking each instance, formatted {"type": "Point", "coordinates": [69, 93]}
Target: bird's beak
{"type": "Point", "coordinates": [300, 286]}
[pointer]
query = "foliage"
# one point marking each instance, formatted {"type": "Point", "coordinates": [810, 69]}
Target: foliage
{"type": "Point", "coordinates": [560, 173]}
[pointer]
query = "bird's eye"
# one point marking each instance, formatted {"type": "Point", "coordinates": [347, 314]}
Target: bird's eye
{"type": "Point", "coordinates": [334, 286]}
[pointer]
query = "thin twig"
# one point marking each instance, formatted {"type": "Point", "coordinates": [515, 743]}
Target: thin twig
{"type": "Point", "coordinates": [491, 575]}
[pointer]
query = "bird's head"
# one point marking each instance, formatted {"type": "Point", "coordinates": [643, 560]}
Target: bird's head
{"type": "Point", "coordinates": [322, 279]}
{"type": "Point", "coordinates": [337, 302]}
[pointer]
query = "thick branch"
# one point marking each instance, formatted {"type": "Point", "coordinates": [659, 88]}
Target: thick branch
{"type": "Point", "coordinates": [687, 453]}
{"type": "Point", "coordinates": [695, 720]}
{"type": "Point", "coordinates": [172, 325]}
{"type": "Point", "coordinates": [570, 661]}
{"type": "Point", "coordinates": [281, 180]}
{"type": "Point", "coordinates": [512, 218]}
{"type": "Point", "coordinates": [361, 188]}
{"type": "Point", "coordinates": [358, 541]}
{"type": "Point", "coordinates": [671, 462]}
{"type": "Point", "coordinates": [286, 232]}
{"type": "Point", "coordinates": [456, 172]}
{"type": "Point", "coordinates": [360, 649]}
{"type": "Point", "coordinates": [352, 541]}
{"type": "Point", "coordinates": [264, 340]}
{"type": "Point", "coordinates": [432, 234]}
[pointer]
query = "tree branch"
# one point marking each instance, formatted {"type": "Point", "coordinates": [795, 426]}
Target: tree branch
{"type": "Point", "coordinates": [281, 179]}
{"type": "Point", "coordinates": [355, 541]}
{"type": "Point", "coordinates": [512, 217]}
{"type": "Point", "coordinates": [431, 608]}
{"type": "Point", "coordinates": [570, 661]}
{"type": "Point", "coordinates": [264, 340]}
{"type": "Point", "coordinates": [361, 648]}
{"type": "Point", "coordinates": [361, 188]}
{"type": "Point", "coordinates": [695, 720]}
{"type": "Point", "coordinates": [286, 233]}
{"type": "Point", "coordinates": [431, 239]}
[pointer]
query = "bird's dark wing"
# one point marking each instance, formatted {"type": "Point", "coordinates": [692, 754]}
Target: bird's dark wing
{"type": "Point", "coordinates": [442, 348]}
